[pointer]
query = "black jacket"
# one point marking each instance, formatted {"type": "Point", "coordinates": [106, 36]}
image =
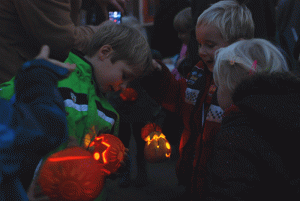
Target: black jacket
{"type": "Point", "coordinates": [256, 155]}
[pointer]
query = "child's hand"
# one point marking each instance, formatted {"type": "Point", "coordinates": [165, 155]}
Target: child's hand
{"type": "Point", "coordinates": [44, 54]}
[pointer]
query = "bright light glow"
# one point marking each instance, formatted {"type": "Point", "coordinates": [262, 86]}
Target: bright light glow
{"type": "Point", "coordinates": [103, 154]}
{"type": "Point", "coordinates": [67, 158]}
{"type": "Point", "coordinates": [96, 156]}
{"type": "Point", "coordinates": [155, 137]}
{"type": "Point", "coordinates": [168, 145]}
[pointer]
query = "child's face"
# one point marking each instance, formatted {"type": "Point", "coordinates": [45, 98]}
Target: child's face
{"type": "Point", "coordinates": [209, 39]}
{"type": "Point", "coordinates": [111, 77]}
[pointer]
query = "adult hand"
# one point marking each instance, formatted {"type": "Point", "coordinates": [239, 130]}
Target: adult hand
{"type": "Point", "coordinates": [44, 54]}
{"type": "Point", "coordinates": [120, 5]}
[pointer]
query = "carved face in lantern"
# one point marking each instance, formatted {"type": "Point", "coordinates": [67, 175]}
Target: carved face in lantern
{"type": "Point", "coordinates": [149, 128]}
{"type": "Point", "coordinates": [129, 94]}
{"type": "Point", "coordinates": [72, 174]}
{"type": "Point", "coordinates": [157, 148]}
{"type": "Point", "coordinates": [109, 151]}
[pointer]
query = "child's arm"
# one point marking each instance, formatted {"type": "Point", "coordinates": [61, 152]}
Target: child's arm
{"type": "Point", "coordinates": [32, 123]}
{"type": "Point", "coordinates": [162, 86]}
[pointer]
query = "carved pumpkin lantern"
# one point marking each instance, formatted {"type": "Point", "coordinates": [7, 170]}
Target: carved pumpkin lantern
{"type": "Point", "coordinates": [71, 174]}
{"type": "Point", "coordinates": [149, 128]}
{"type": "Point", "coordinates": [157, 148]}
{"type": "Point", "coordinates": [109, 151]}
{"type": "Point", "coordinates": [129, 94]}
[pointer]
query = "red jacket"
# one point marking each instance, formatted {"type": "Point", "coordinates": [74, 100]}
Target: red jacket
{"type": "Point", "coordinates": [186, 97]}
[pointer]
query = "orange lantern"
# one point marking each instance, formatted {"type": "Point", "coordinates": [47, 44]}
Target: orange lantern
{"type": "Point", "coordinates": [109, 151]}
{"type": "Point", "coordinates": [129, 94]}
{"type": "Point", "coordinates": [157, 148]}
{"type": "Point", "coordinates": [149, 128]}
{"type": "Point", "coordinates": [72, 174]}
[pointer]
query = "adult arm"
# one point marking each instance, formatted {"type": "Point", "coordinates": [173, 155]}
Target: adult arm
{"type": "Point", "coordinates": [51, 22]}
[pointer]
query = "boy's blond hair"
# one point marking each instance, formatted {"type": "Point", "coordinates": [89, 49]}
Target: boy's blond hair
{"type": "Point", "coordinates": [233, 20]}
{"type": "Point", "coordinates": [128, 44]}
{"type": "Point", "coordinates": [235, 62]}
{"type": "Point", "coordinates": [183, 21]}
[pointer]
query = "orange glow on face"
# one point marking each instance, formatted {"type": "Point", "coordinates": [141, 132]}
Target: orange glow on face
{"type": "Point", "coordinates": [168, 155]}
{"type": "Point", "coordinates": [67, 158]}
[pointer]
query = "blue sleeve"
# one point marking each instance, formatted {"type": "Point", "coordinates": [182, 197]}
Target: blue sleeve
{"type": "Point", "coordinates": [39, 107]}
{"type": "Point", "coordinates": [32, 124]}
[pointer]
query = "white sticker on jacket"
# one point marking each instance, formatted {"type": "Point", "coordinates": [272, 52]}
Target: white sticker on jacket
{"type": "Point", "coordinates": [191, 96]}
{"type": "Point", "coordinates": [214, 114]}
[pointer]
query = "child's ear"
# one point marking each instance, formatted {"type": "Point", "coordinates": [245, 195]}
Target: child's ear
{"type": "Point", "coordinates": [104, 52]}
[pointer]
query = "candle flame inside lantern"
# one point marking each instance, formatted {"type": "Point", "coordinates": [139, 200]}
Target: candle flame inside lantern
{"type": "Point", "coordinates": [155, 137]}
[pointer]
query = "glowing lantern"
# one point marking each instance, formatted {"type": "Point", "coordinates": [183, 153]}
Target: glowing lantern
{"type": "Point", "coordinates": [129, 94]}
{"type": "Point", "coordinates": [149, 128]}
{"type": "Point", "coordinates": [109, 151]}
{"type": "Point", "coordinates": [157, 148]}
{"type": "Point", "coordinates": [72, 174]}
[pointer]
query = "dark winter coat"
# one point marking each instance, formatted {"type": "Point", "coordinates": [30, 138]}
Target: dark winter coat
{"type": "Point", "coordinates": [32, 124]}
{"type": "Point", "coordinates": [256, 154]}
